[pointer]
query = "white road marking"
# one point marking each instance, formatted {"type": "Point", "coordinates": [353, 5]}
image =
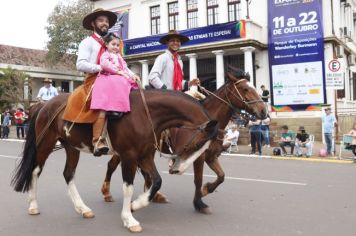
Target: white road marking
{"type": "Point", "coordinates": [11, 157]}
{"type": "Point", "coordinates": [249, 179]}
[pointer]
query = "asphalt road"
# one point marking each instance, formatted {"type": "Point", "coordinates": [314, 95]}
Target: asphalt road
{"type": "Point", "coordinates": [259, 197]}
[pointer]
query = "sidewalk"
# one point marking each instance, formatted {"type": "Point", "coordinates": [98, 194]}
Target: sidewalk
{"type": "Point", "coordinates": [346, 155]}
{"type": "Point", "coordinates": [244, 150]}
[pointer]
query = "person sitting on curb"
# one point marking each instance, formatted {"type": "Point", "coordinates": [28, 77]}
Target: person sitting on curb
{"type": "Point", "coordinates": [231, 137]}
{"type": "Point", "coordinates": [287, 139]}
{"type": "Point", "coordinates": [302, 140]}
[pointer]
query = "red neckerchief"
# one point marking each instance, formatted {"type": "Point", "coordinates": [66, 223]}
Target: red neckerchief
{"type": "Point", "coordinates": [102, 48]}
{"type": "Point", "coordinates": [177, 73]}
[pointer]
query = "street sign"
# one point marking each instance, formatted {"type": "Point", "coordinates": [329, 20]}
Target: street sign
{"type": "Point", "coordinates": [334, 75]}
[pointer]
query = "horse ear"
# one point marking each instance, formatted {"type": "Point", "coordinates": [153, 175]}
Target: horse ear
{"type": "Point", "coordinates": [231, 77]}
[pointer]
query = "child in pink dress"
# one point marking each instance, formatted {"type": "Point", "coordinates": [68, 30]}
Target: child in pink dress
{"type": "Point", "coordinates": [113, 84]}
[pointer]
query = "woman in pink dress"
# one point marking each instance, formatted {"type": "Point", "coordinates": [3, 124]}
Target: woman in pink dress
{"type": "Point", "coordinates": [113, 84]}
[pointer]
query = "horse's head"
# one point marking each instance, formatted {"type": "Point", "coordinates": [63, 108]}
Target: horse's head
{"type": "Point", "coordinates": [242, 94]}
{"type": "Point", "coordinates": [190, 143]}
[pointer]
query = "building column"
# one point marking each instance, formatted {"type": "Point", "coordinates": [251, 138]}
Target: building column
{"type": "Point", "coordinates": [192, 65]}
{"type": "Point", "coordinates": [182, 21]}
{"type": "Point", "coordinates": [249, 62]}
{"type": "Point", "coordinates": [164, 18]}
{"type": "Point", "coordinates": [144, 72]}
{"type": "Point", "coordinates": [220, 73]}
{"type": "Point", "coordinates": [223, 11]}
{"type": "Point", "coordinates": [202, 13]}
{"type": "Point", "coordinates": [25, 90]}
{"type": "Point", "coordinates": [71, 86]}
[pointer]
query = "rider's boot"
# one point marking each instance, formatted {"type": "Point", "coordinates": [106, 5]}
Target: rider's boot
{"type": "Point", "coordinates": [99, 143]}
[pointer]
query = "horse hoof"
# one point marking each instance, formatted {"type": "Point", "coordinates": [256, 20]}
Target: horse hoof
{"type": "Point", "coordinates": [205, 211]}
{"type": "Point", "coordinates": [88, 215]}
{"type": "Point", "coordinates": [205, 191]}
{"type": "Point", "coordinates": [160, 198]}
{"type": "Point", "coordinates": [33, 211]}
{"type": "Point", "coordinates": [108, 198]}
{"type": "Point", "coordinates": [135, 229]}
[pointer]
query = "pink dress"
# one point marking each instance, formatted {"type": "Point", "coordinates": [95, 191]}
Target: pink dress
{"type": "Point", "coordinates": [111, 91]}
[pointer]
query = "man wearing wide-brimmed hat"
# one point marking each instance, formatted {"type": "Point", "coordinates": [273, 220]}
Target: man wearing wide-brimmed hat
{"type": "Point", "coordinates": [47, 91]}
{"type": "Point", "coordinates": [302, 140]}
{"type": "Point", "coordinates": [90, 49]}
{"type": "Point", "coordinates": [167, 71]}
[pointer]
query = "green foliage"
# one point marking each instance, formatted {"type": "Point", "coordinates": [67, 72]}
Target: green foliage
{"type": "Point", "coordinates": [11, 87]}
{"type": "Point", "coordinates": [65, 29]}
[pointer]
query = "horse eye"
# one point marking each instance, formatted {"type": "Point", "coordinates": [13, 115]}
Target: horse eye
{"type": "Point", "coordinates": [246, 90]}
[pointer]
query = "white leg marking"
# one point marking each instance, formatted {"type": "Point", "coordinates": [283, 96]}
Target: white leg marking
{"type": "Point", "coordinates": [126, 214]}
{"type": "Point", "coordinates": [142, 201]}
{"type": "Point", "coordinates": [73, 193]}
{"type": "Point", "coordinates": [185, 164]}
{"type": "Point", "coordinates": [32, 193]}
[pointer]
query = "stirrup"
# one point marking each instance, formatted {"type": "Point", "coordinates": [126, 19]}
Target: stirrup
{"type": "Point", "coordinates": [102, 150]}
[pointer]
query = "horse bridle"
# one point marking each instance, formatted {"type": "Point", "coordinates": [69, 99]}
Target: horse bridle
{"type": "Point", "coordinates": [199, 129]}
{"type": "Point", "coordinates": [238, 96]}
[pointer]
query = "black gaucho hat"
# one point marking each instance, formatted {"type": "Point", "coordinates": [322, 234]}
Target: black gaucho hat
{"type": "Point", "coordinates": [173, 34]}
{"type": "Point", "coordinates": [88, 19]}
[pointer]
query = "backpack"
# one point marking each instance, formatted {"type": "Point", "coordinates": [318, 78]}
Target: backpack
{"type": "Point", "coordinates": [276, 151]}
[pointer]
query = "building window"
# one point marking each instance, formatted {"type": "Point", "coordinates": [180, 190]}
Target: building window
{"type": "Point", "coordinates": [173, 15]}
{"type": "Point", "coordinates": [212, 6]}
{"type": "Point", "coordinates": [155, 20]}
{"type": "Point", "coordinates": [192, 13]}
{"type": "Point", "coordinates": [234, 7]}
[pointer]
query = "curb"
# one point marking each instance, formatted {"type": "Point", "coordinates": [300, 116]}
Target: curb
{"type": "Point", "coordinates": [13, 140]}
{"type": "Point", "coordinates": [310, 159]}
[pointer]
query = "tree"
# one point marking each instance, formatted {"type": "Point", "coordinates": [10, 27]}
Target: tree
{"type": "Point", "coordinates": [65, 30]}
{"type": "Point", "coordinates": [12, 87]}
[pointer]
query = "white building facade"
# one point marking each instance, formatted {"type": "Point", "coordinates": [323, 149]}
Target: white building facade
{"type": "Point", "coordinates": [249, 51]}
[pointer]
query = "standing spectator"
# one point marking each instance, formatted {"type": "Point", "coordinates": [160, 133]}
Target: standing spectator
{"type": "Point", "coordinates": [47, 91]}
{"type": "Point", "coordinates": [256, 135]}
{"type": "Point", "coordinates": [287, 139]}
{"type": "Point", "coordinates": [19, 121]}
{"type": "Point", "coordinates": [26, 122]}
{"type": "Point", "coordinates": [1, 117]}
{"type": "Point", "coordinates": [265, 131]}
{"type": "Point", "coordinates": [265, 94]}
{"type": "Point", "coordinates": [353, 135]}
{"type": "Point", "coordinates": [6, 124]}
{"type": "Point", "coordinates": [329, 121]}
{"type": "Point", "coordinates": [302, 140]}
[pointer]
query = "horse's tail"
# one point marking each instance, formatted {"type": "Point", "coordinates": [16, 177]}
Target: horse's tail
{"type": "Point", "coordinates": [23, 172]}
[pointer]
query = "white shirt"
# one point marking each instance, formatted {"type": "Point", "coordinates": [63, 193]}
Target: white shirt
{"type": "Point", "coordinates": [47, 93]}
{"type": "Point", "coordinates": [232, 135]}
{"type": "Point", "coordinates": [87, 55]}
{"type": "Point", "coordinates": [162, 71]}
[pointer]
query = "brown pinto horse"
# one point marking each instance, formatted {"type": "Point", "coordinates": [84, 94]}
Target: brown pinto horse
{"type": "Point", "coordinates": [233, 96]}
{"type": "Point", "coordinates": [131, 137]}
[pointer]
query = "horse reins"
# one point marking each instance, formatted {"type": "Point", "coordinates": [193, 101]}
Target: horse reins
{"type": "Point", "coordinates": [148, 114]}
{"type": "Point", "coordinates": [239, 97]}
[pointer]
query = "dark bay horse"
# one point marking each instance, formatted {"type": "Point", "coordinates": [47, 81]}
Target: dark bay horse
{"type": "Point", "coordinates": [236, 94]}
{"type": "Point", "coordinates": [131, 137]}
